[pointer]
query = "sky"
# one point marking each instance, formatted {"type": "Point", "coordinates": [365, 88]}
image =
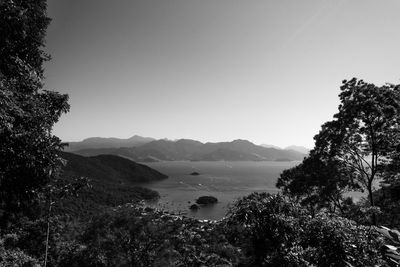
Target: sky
{"type": "Point", "coordinates": [214, 70]}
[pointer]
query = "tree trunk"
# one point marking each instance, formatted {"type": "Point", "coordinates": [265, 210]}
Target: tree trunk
{"type": "Point", "coordinates": [48, 222]}
{"type": "Point", "coordinates": [371, 202]}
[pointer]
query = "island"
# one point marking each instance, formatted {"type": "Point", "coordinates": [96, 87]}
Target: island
{"type": "Point", "coordinates": [206, 200]}
{"type": "Point", "coordinates": [194, 207]}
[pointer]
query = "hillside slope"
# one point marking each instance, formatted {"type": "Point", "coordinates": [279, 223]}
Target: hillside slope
{"type": "Point", "coordinates": [114, 181]}
{"type": "Point", "coordinates": [110, 169]}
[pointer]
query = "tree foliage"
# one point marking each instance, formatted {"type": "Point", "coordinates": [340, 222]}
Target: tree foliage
{"type": "Point", "coordinates": [352, 151]}
{"type": "Point", "coordinates": [273, 231]}
{"type": "Point", "coordinates": [391, 247]}
{"type": "Point", "coordinates": [11, 256]}
{"type": "Point", "coordinates": [355, 148]}
{"type": "Point", "coordinates": [28, 152]}
{"type": "Point", "coordinates": [317, 183]}
{"type": "Point", "coordinates": [364, 132]}
{"type": "Point", "coordinates": [132, 235]}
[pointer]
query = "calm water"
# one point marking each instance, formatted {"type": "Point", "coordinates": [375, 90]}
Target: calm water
{"type": "Point", "coordinates": [227, 181]}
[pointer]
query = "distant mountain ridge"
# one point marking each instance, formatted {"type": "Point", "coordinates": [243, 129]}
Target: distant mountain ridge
{"type": "Point", "coordinates": [270, 146]}
{"type": "Point", "coordinates": [111, 142]}
{"type": "Point", "coordinates": [186, 149]}
{"type": "Point", "coordinates": [300, 149]}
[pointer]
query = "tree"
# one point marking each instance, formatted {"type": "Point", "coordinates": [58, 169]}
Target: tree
{"type": "Point", "coordinates": [264, 225]}
{"type": "Point", "coordinates": [28, 152]}
{"type": "Point", "coordinates": [316, 183]}
{"type": "Point", "coordinates": [272, 231]}
{"type": "Point", "coordinates": [363, 133]}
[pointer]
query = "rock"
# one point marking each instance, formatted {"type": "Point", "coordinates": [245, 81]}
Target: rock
{"type": "Point", "coordinates": [206, 200]}
{"type": "Point", "coordinates": [194, 207]}
{"type": "Point", "coordinates": [195, 173]}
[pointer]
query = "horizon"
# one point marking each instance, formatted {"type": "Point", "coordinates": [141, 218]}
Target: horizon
{"type": "Point", "coordinates": [201, 141]}
{"type": "Point", "coordinates": [264, 71]}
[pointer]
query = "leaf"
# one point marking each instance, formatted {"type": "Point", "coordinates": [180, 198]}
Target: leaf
{"type": "Point", "coordinates": [395, 235]}
{"type": "Point", "coordinates": [390, 247]}
{"type": "Point", "coordinates": [393, 256]}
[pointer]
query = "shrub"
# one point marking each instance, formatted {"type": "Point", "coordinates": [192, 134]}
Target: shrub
{"type": "Point", "coordinates": [132, 235]}
{"type": "Point", "coordinates": [272, 231]}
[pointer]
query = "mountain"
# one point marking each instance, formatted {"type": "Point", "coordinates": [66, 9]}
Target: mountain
{"type": "Point", "coordinates": [270, 146]}
{"type": "Point", "coordinates": [114, 181]}
{"type": "Point", "coordinates": [101, 142]}
{"type": "Point", "coordinates": [300, 149]}
{"type": "Point", "coordinates": [244, 150]}
{"type": "Point", "coordinates": [109, 169]}
{"type": "Point", "coordinates": [186, 149]}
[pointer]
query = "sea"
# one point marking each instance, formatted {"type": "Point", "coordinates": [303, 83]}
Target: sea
{"type": "Point", "coordinates": [227, 181]}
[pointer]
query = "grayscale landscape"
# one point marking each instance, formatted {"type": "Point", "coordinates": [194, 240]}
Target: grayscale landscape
{"type": "Point", "coordinates": [199, 133]}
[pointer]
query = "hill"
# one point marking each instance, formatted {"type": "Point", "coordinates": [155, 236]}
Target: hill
{"type": "Point", "coordinates": [270, 146]}
{"type": "Point", "coordinates": [186, 149]}
{"type": "Point", "coordinates": [300, 149]}
{"type": "Point", "coordinates": [101, 142]}
{"type": "Point", "coordinates": [110, 169]}
{"type": "Point", "coordinates": [115, 181]}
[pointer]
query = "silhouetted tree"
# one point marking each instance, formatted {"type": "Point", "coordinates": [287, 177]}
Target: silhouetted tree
{"type": "Point", "coordinates": [28, 151]}
{"type": "Point", "coordinates": [363, 133]}
{"type": "Point", "coordinates": [316, 183]}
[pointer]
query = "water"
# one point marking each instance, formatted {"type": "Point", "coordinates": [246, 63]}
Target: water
{"type": "Point", "coordinates": [226, 181]}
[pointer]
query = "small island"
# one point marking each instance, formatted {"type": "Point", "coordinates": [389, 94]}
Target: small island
{"type": "Point", "coordinates": [206, 200]}
{"type": "Point", "coordinates": [195, 173]}
{"type": "Point", "coordinates": [194, 207]}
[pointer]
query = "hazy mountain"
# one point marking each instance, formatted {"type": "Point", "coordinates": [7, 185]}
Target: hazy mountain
{"type": "Point", "coordinates": [244, 150]}
{"type": "Point", "coordinates": [270, 146]}
{"type": "Point", "coordinates": [185, 149]}
{"type": "Point", "coordinates": [300, 149]}
{"type": "Point", "coordinates": [102, 142]}
{"type": "Point", "coordinates": [114, 181]}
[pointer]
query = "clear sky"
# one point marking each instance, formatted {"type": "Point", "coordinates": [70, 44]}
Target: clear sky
{"type": "Point", "coordinates": [215, 70]}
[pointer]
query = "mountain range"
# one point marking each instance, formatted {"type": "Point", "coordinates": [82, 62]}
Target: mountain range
{"type": "Point", "coordinates": [112, 142]}
{"type": "Point", "coordinates": [300, 149]}
{"type": "Point", "coordinates": [186, 149]}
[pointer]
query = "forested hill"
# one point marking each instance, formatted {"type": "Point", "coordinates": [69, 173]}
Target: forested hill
{"type": "Point", "coordinates": [109, 169]}
{"type": "Point", "coordinates": [114, 181]}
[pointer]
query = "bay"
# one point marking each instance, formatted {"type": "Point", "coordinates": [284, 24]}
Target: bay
{"type": "Point", "coordinates": [227, 181]}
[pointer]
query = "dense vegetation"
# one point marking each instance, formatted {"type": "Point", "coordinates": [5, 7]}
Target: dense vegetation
{"type": "Point", "coordinates": [312, 223]}
{"type": "Point", "coordinates": [28, 152]}
{"type": "Point", "coordinates": [355, 151]}
{"type": "Point", "coordinates": [260, 230]}
{"type": "Point", "coordinates": [113, 182]}
{"type": "Point", "coordinates": [109, 168]}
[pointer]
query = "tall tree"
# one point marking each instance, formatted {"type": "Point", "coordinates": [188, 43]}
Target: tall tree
{"type": "Point", "coordinates": [316, 183]}
{"type": "Point", "coordinates": [363, 134]}
{"type": "Point", "coordinates": [28, 149]}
